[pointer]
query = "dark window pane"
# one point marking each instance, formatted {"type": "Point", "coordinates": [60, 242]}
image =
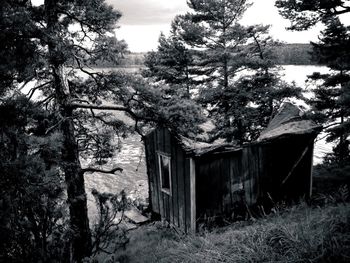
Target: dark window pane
{"type": "Point", "coordinates": [165, 171]}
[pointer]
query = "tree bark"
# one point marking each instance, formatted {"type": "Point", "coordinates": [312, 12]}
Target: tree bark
{"type": "Point", "coordinates": [80, 242]}
{"type": "Point", "coordinates": [77, 201]}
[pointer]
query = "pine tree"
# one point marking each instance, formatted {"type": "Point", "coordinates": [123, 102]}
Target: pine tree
{"type": "Point", "coordinates": [51, 46]}
{"type": "Point", "coordinates": [170, 64]}
{"type": "Point", "coordinates": [333, 90]}
{"type": "Point", "coordinates": [31, 196]}
{"type": "Point", "coordinates": [305, 14]}
{"type": "Point", "coordinates": [43, 46]}
{"type": "Point", "coordinates": [331, 99]}
{"type": "Point", "coordinates": [212, 30]}
{"type": "Point", "coordinates": [221, 49]}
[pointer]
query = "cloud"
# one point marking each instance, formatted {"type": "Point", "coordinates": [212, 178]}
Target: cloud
{"type": "Point", "coordinates": [141, 38]}
{"type": "Point", "coordinates": [148, 12]}
{"type": "Point", "coordinates": [265, 12]}
{"type": "Point", "coordinates": [143, 20]}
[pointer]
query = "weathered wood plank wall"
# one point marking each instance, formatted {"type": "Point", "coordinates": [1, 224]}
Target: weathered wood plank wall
{"type": "Point", "coordinates": [175, 208]}
{"type": "Point", "coordinates": [258, 169]}
{"type": "Point", "coordinates": [218, 178]}
{"type": "Point", "coordinates": [250, 173]}
{"type": "Point", "coordinates": [276, 161]}
{"type": "Point", "coordinates": [175, 185]}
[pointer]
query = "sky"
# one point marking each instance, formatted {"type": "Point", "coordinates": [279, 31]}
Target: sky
{"type": "Point", "coordinates": [143, 20]}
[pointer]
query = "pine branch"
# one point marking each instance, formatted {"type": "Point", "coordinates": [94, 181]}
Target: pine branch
{"type": "Point", "coordinates": [100, 107]}
{"type": "Point", "coordinates": [34, 89]}
{"type": "Point", "coordinates": [96, 170]}
{"type": "Point", "coordinates": [92, 28]}
{"type": "Point", "coordinates": [81, 68]}
{"type": "Point", "coordinates": [346, 9]}
{"type": "Point", "coordinates": [54, 126]}
{"type": "Point", "coordinates": [331, 125]}
{"type": "Point", "coordinates": [83, 49]}
{"type": "Point", "coordinates": [111, 107]}
{"type": "Point", "coordinates": [45, 101]}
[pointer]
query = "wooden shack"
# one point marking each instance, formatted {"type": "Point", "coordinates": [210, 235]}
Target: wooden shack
{"type": "Point", "coordinates": [190, 180]}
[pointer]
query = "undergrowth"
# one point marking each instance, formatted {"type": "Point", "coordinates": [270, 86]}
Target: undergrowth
{"type": "Point", "coordinates": [296, 234]}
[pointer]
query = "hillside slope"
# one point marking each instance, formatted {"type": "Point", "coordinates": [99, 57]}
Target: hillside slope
{"type": "Point", "coordinates": [298, 234]}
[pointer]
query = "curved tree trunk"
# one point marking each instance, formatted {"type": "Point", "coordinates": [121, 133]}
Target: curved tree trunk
{"type": "Point", "coordinates": [80, 242]}
{"type": "Point", "coordinates": [79, 221]}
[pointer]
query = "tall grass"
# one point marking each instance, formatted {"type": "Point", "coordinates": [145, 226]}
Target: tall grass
{"type": "Point", "coordinates": [299, 234]}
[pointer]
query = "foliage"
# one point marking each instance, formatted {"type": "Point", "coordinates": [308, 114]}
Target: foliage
{"type": "Point", "coordinates": [285, 54]}
{"type": "Point", "coordinates": [328, 177]}
{"type": "Point", "coordinates": [229, 64]}
{"type": "Point", "coordinates": [307, 13]}
{"type": "Point", "coordinates": [293, 54]}
{"type": "Point", "coordinates": [107, 234]}
{"type": "Point", "coordinates": [31, 196]}
{"type": "Point", "coordinates": [242, 110]}
{"type": "Point", "coordinates": [170, 63]}
{"type": "Point", "coordinates": [48, 44]}
{"type": "Point", "coordinates": [332, 94]}
{"type": "Point", "coordinates": [212, 30]}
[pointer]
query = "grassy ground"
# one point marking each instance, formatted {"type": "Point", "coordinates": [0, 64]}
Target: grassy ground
{"type": "Point", "coordinates": [297, 234]}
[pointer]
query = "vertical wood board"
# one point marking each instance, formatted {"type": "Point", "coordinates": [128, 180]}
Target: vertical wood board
{"type": "Point", "coordinates": [174, 172]}
{"type": "Point", "coordinates": [181, 187]}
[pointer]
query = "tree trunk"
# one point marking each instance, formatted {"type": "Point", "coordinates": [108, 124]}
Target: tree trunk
{"type": "Point", "coordinates": [342, 143]}
{"type": "Point", "coordinates": [81, 240]}
{"type": "Point", "coordinates": [225, 69]}
{"type": "Point", "coordinates": [77, 201]}
{"type": "Point", "coordinates": [188, 83]}
{"type": "Point", "coordinates": [79, 221]}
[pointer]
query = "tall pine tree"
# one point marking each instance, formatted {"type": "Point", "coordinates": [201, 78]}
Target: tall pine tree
{"type": "Point", "coordinates": [332, 94]}
{"type": "Point", "coordinates": [217, 51]}
{"type": "Point", "coordinates": [44, 43]}
{"type": "Point", "coordinates": [170, 64]}
{"type": "Point", "coordinates": [51, 46]}
{"type": "Point", "coordinates": [212, 31]}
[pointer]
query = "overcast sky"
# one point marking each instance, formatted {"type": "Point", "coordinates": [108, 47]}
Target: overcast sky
{"type": "Point", "coordinates": [143, 20]}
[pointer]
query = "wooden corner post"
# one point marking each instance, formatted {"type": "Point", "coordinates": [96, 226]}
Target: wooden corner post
{"type": "Point", "coordinates": [193, 194]}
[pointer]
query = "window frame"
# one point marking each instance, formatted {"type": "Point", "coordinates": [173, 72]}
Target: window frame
{"type": "Point", "coordinates": [168, 156]}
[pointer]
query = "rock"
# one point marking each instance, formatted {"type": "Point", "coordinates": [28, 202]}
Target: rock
{"type": "Point", "coordinates": [127, 226]}
{"type": "Point", "coordinates": [135, 216]}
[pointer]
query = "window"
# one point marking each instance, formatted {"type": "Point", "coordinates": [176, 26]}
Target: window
{"type": "Point", "coordinates": [165, 172]}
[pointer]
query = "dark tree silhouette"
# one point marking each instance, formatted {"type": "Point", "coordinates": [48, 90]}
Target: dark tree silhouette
{"type": "Point", "coordinates": [333, 49]}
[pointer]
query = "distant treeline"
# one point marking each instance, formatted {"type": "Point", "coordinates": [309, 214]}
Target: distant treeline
{"type": "Point", "coordinates": [133, 59]}
{"type": "Point", "coordinates": [129, 60]}
{"type": "Point", "coordinates": [286, 54]}
{"type": "Point", "coordinates": [294, 54]}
